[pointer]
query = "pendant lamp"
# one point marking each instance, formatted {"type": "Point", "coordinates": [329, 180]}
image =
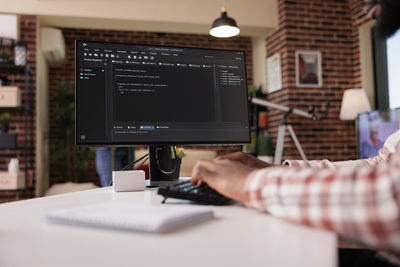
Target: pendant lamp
{"type": "Point", "coordinates": [224, 26]}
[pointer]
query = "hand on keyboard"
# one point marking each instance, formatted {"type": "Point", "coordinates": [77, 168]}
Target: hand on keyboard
{"type": "Point", "coordinates": [225, 176]}
{"type": "Point", "coordinates": [185, 190]}
{"type": "Point", "coordinates": [245, 159]}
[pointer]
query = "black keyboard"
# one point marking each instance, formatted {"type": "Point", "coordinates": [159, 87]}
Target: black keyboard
{"type": "Point", "coordinates": [201, 194]}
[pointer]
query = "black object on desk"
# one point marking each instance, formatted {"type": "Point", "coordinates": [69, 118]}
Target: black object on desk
{"type": "Point", "coordinates": [201, 194]}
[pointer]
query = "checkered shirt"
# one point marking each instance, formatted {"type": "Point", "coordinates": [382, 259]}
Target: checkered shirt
{"type": "Point", "coordinates": [357, 199]}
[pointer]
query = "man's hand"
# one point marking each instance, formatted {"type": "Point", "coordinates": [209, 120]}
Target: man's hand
{"type": "Point", "coordinates": [225, 176]}
{"type": "Point", "coordinates": [245, 159]}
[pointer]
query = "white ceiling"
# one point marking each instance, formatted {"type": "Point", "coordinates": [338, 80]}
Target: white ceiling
{"type": "Point", "coordinates": [254, 17]}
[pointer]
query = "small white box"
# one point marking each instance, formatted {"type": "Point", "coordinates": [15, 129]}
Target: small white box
{"type": "Point", "coordinates": [12, 180]}
{"type": "Point", "coordinates": [10, 96]}
{"type": "Point", "coordinates": [124, 181]}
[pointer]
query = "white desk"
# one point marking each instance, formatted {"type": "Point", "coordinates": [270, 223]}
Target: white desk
{"type": "Point", "coordinates": [236, 237]}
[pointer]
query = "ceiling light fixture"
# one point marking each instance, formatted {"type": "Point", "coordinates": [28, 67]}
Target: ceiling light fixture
{"type": "Point", "coordinates": [224, 26]}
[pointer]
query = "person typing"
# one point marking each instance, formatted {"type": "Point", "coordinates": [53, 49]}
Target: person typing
{"type": "Point", "coordinates": [357, 199]}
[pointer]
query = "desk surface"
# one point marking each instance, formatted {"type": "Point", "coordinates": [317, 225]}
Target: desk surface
{"type": "Point", "coordinates": [236, 237]}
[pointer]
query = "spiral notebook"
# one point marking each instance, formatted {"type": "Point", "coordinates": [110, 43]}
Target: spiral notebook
{"type": "Point", "coordinates": [131, 217]}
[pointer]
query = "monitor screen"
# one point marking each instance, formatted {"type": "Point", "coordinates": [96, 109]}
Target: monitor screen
{"type": "Point", "coordinates": [374, 128]}
{"type": "Point", "coordinates": [128, 94]}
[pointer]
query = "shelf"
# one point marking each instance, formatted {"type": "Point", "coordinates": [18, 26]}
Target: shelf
{"type": "Point", "coordinates": [9, 68]}
{"type": "Point", "coordinates": [14, 109]}
{"type": "Point", "coordinates": [25, 151]}
{"type": "Point", "coordinates": [17, 190]}
{"type": "Point", "coordinates": [17, 148]}
{"type": "Point", "coordinates": [4, 109]}
{"type": "Point", "coordinates": [12, 190]}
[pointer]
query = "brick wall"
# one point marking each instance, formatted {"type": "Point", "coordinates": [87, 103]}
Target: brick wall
{"type": "Point", "coordinates": [17, 124]}
{"type": "Point", "coordinates": [328, 26]}
{"type": "Point", "coordinates": [66, 72]}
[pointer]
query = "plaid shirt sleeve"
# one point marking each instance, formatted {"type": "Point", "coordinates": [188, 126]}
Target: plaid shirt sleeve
{"type": "Point", "coordinates": [324, 164]}
{"type": "Point", "coordinates": [359, 201]}
{"type": "Point", "coordinates": [388, 148]}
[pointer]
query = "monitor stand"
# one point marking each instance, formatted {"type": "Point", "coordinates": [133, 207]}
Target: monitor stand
{"type": "Point", "coordinates": [162, 166]}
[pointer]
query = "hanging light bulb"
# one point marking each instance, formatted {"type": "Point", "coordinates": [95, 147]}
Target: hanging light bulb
{"type": "Point", "coordinates": [224, 26]}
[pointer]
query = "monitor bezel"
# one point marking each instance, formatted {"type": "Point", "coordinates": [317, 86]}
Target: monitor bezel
{"type": "Point", "coordinates": [196, 143]}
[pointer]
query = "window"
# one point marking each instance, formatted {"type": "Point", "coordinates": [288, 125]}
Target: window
{"type": "Point", "coordinates": [393, 60]}
{"type": "Point", "coordinates": [387, 72]}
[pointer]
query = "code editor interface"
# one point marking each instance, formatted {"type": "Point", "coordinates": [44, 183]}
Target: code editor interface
{"type": "Point", "coordinates": [138, 94]}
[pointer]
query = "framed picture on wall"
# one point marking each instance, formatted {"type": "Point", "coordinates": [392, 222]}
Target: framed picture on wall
{"type": "Point", "coordinates": [274, 73]}
{"type": "Point", "coordinates": [308, 69]}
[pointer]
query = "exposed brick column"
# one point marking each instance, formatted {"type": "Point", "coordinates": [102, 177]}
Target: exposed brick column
{"type": "Point", "coordinates": [328, 26]}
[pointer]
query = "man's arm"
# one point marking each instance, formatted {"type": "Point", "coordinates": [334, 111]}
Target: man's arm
{"type": "Point", "coordinates": [388, 149]}
{"type": "Point", "coordinates": [357, 202]}
{"type": "Point", "coordinates": [382, 158]}
{"type": "Point", "coordinates": [384, 154]}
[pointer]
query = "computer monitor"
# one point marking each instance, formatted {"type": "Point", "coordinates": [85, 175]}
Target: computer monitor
{"type": "Point", "coordinates": [373, 128]}
{"type": "Point", "coordinates": [133, 94]}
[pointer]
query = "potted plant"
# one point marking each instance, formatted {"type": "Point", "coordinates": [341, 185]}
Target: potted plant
{"type": "Point", "coordinates": [265, 149]}
{"type": "Point", "coordinates": [5, 55]}
{"type": "Point", "coordinates": [177, 161]}
{"type": "Point", "coordinates": [180, 152]}
{"type": "Point", "coordinates": [5, 119]}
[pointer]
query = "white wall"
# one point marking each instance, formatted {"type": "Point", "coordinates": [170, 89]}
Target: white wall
{"type": "Point", "coordinates": [366, 62]}
{"type": "Point", "coordinates": [259, 62]}
{"type": "Point", "coordinates": [42, 144]}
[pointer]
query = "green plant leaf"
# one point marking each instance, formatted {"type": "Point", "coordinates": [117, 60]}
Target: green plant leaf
{"type": "Point", "coordinates": [180, 152]}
